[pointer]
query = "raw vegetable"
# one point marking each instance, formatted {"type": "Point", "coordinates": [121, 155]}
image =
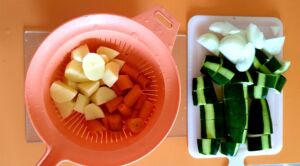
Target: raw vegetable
{"type": "Point", "coordinates": [224, 28]}
{"type": "Point", "coordinates": [204, 96]}
{"type": "Point", "coordinates": [74, 72]}
{"type": "Point", "coordinates": [208, 146]}
{"type": "Point", "coordinates": [273, 46]}
{"type": "Point", "coordinates": [284, 67]}
{"type": "Point", "coordinates": [65, 109]}
{"type": "Point", "coordinates": [133, 95]}
{"type": "Point", "coordinates": [135, 125]}
{"type": "Point", "coordinates": [81, 102]}
{"type": "Point", "coordinates": [140, 102]}
{"type": "Point", "coordinates": [257, 92]}
{"type": "Point", "coordinates": [201, 82]}
{"type": "Point", "coordinates": [143, 81]}
{"type": "Point", "coordinates": [124, 110]}
{"type": "Point", "coordinates": [103, 95]}
{"type": "Point", "coordinates": [111, 73]}
{"type": "Point", "coordinates": [70, 83]}
{"type": "Point", "coordinates": [146, 110]}
{"type": "Point", "coordinates": [212, 128]}
{"type": "Point", "coordinates": [229, 148]}
{"type": "Point", "coordinates": [212, 111]}
{"type": "Point", "coordinates": [88, 88]}
{"type": "Point", "coordinates": [237, 135]}
{"type": "Point", "coordinates": [259, 143]}
{"type": "Point", "coordinates": [128, 70]}
{"type": "Point", "coordinates": [113, 104]}
{"type": "Point", "coordinates": [115, 121]}
{"type": "Point", "coordinates": [111, 53]}
{"type": "Point", "coordinates": [61, 92]}
{"type": "Point", "coordinates": [93, 66]}
{"type": "Point", "coordinates": [95, 126]}
{"type": "Point", "coordinates": [235, 91]}
{"type": "Point", "coordinates": [92, 111]}
{"type": "Point", "coordinates": [209, 41]}
{"type": "Point", "coordinates": [255, 36]}
{"type": "Point", "coordinates": [124, 83]}
{"type": "Point", "coordinates": [79, 52]}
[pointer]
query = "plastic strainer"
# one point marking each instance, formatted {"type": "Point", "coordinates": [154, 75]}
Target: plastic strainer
{"type": "Point", "coordinates": [145, 42]}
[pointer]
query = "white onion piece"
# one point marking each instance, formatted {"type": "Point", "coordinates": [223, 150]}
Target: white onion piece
{"type": "Point", "coordinates": [210, 41]}
{"type": "Point", "coordinates": [224, 28]}
{"type": "Point", "coordinates": [273, 46]}
{"type": "Point", "coordinates": [255, 36]}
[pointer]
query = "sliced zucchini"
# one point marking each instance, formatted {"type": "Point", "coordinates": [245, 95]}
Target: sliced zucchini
{"type": "Point", "coordinates": [257, 92]}
{"type": "Point", "coordinates": [260, 121]}
{"type": "Point", "coordinates": [243, 78]}
{"type": "Point", "coordinates": [259, 142]}
{"type": "Point", "coordinates": [212, 128]}
{"type": "Point", "coordinates": [274, 81]}
{"type": "Point", "coordinates": [270, 66]}
{"type": "Point", "coordinates": [285, 65]}
{"type": "Point", "coordinates": [259, 59]}
{"type": "Point", "coordinates": [204, 96]}
{"type": "Point", "coordinates": [237, 135]}
{"type": "Point", "coordinates": [281, 80]}
{"type": "Point", "coordinates": [235, 91]}
{"type": "Point", "coordinates": [201, 82]}
{"type": "Point", "coordinates": [208, 146]}
{"type": "Point", "coordinates": [229, 148]}
{"type": "Point", "coordinates": [237, 122]}
{"type": "Point", "coordinates": [236, 107]}
{"type": "Point", "coordinates": [212, 111]}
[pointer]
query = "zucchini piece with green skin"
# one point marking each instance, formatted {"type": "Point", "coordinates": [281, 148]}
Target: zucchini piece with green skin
{"type": "Point", "coordinates": [260, 58]}
{"type": "Point", "coordinates": [235, 91]}
{"type": "Point", "coordinates": [212, 111]}
{"type": "Point", "coordinates": [236, 107]}
{"type": "Point", "coordinates": [212, 128]}
{"type": "Point", "coordinates": [229, 148]}
{"type": "Point", "coordinates": [274, 81]}
{"type": "Point", "coordinates": [201, 82]}
{"type": "Point", "coordinates": [204, 96]}
{"type": "Point", "coordinates": [211, 65]}
{"type": "Point", "coordinates": [237, 121]}
{"type": "Point", "coordinates": [259, 142]}
{"type": "Point", "coordinates": [237, 135]}
{"type": "Point", "coordinates": [270, 66]}
{"type": "Point", "coordinates": [243, 78]}
{"type": "Point", "coordinates": [281, 80]}
{"type": "Point", "coordinates": [257, 92]}
{"type": "Point", "coordinates": [225, 73]}
{"type": "Point", "coordinates": [208, 146]}
{"type": "Point", "coordinates": [260, 121]}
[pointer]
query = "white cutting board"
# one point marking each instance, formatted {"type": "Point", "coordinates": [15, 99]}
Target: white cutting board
{"type": "Point", "coordinates": [198, 25]}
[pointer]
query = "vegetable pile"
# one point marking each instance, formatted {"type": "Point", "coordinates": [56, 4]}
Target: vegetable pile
{"type": "Point", "coordinates": [244, 65]}
{"type": "Point", "coordinates": [105, 89]}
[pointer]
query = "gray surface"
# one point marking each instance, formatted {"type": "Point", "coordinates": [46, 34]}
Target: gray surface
{"type": "Point", "coordinates": [32, 40]}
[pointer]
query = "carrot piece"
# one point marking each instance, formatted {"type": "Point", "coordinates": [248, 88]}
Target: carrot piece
{"type": "Point", "coordinates": [133, 95]}
{"type": "Point", "coordinates": [140, 102]}
{"type": "Point", "coordinates": [143, 81]}
{"type": "Point", "coordinates": [124, 110]}
{"type": "Point", "coordinates": [135, 125]}
{"type": "Point", "coordinates": [124, 82]}
{"type": "Point", "coordinates": [132, 72]}
{"type": "Point", "coordinates": [95, 126]}
{"type": "Point", "coordinates": [146, 110]}
{"type": "Point", "coordinates": [117, 90]}
{"type": "Point", "coordinates": [114, 122]}
{"type": "Point", "coordinates": [113, 104]}
{"type": "Point", "coordinates": [134, 114]}
{"type": "Point", "coordinates": [105, 122]}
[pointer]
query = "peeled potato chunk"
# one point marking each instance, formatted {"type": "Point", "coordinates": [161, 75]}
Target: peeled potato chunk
{"type": "Point", "coordinates": [65, 109]}
{"type": "Point", "coordinates": [111, 73]}
{"type": "Point", "coordinates": [92, 111]}
{"type": "Point", "coordinates": [111, 53]}
{"type": "Point", "coordinates": [103, 95]}
{"type": "Point", "coordinates": [119, 62]}
{"type": "Point", "coordinates": [81, 102]}
{"type": "Point", "coordinates": [93, 66]}
{"type": "Point", "coordinates": [61, 92]}
{"type": "Point", "coordinates": [88, 88]}
{"type": "Point", "coordinates": [74, 72]}
{"type": "Point", "coordinates": [79, 52]}
{"type": "Point", "coordinates": [70, 83]}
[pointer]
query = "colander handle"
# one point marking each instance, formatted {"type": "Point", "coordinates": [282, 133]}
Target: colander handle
{"type": "Point", "coordinates": [161, 23]}
{"type": "Point", "coordinates": [50, 158]}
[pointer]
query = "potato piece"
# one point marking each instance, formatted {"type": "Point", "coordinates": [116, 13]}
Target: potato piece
{"type": "Point", "coordinates": [79, 52]}
{"type": "Point", "coordinates": [111, 74]}
{"type": "Point", "coordinates": [65, 109]}
{"type": "Point", "coordinates": [119, 62]}
{"type": "Point", "coordinates": [103, 95]}
{"type": "Point", "coordinates": [81, 102]}
{"type": "Point", "coordinates": [70, 83]}
{"type": "Point", "coordinates": [105, 58]}
{"type": "Point", "coordinates": [111, 53]}
{"type": "Point", "coordinates": [92, 111]}
{"type": "Point", "coordinates": [61, 92]}
{"type": "Point", "coordinates": [88, 88]}
{"type": "Point", "coordinates": [74, 72]}
{"type": "Point", "coordinates": [93, 66]}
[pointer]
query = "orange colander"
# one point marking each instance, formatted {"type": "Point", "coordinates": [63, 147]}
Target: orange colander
{"type": "Point", "coordinates": [144, 42]}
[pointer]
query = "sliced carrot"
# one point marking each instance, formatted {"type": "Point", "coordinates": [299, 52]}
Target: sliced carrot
{"type": "Point", "coordinates": [124, 110]}
{"type": "Point", "coordinates": [133, 95]}
{"type": "Point", "coordinates": [95, 126]}
{"type": "Point", "coordinates": [134, 114]}
{"type": "Point", "coordinates": [105, 122]}
{"type": "Point", "coordinates": [143, 81]}
{"type": "Point", "coordinates": [124, 82]}
{"type": "Point", "coordinates": [135, 125]}
{"type": "Point", "coordinates": [116, 89]}
{"type": "Point", "coordinates": [132, 72]}
{"type": "Point", "coordinates": [113, 104]}
{"type": "Point", "coordinates": [146, 110]}
{"type": "Point", "coordinates": [140, 102]}
{"type": "Point", "coordinates": [114, 122]}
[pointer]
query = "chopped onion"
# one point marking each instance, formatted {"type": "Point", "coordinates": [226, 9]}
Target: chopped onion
{"type": "Point", "coordinates": [210, 41]}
